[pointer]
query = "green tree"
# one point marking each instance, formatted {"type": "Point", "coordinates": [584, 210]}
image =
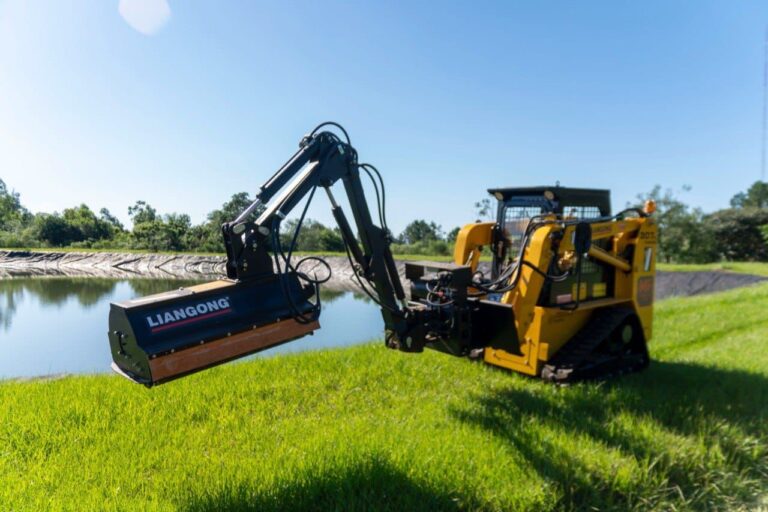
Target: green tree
{"type": "Point", "coordinates": [149, 235]}
{"type": "Point", "coordinates": [232, 208]}
{"type": "Point", "coordinates": [54, 230]}
{"type": "Point", "coordinates": [314, 236]}
{"type": "Point", "coordinates": [167, 233]}
{"type": "Point", "coordinates": [107, 217]}
{"type": "Point", "coordinates": [15, 221]}
{"type": "Point", "coordinates": [142, 212]}
{"type": "Point", "coordinates": [331, 240]}
{"type": "Point", "coordinates": [484, 209]}
{"type": "Point", "coordinates": [171, 232]}
{"type": "Point", "coordinates": [85, 225]}
{"type": "Point", "coordinates": [207, 236]}
{"type": "Point", "coordinates": [683, 236]}
{"type": "Point", "coordinates": [421, 231]}
{"type": "Point", "coordinates": [739, 233]}
{"type": "Point", "coordinates": [78, 225]}
{"type": "Point", "coordinates": [177, 226]}
{"type": "Point", "coordinates": [452, 234]}
{"type": "Point", "coordinates": [12, 214]}
{"type": "Point", "coordinates": [756, 196]}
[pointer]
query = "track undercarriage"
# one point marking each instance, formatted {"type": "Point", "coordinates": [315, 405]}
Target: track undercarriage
{"type": "Point", "coordinates": [611, 344]}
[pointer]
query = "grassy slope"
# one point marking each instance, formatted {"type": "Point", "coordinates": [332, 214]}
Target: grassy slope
{"type": "Point", "coordinates": [756, 268]}
{"type": "Point", "coordinates": [365, 428]}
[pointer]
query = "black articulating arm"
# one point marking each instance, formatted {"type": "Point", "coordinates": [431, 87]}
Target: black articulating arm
{"type": "Point", "coordinates": [322, 159]}
{"type": "Point", "coordinates": [269, 300]}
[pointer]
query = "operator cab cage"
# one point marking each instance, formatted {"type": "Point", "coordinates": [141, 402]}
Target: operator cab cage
{"type": "Point", "coordinates": [518, 205]}
{"type": "Point", "coordinates": [582, 203]}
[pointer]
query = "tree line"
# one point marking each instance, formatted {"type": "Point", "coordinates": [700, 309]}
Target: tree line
{"type": "Point", "coordinates": [686, 234]}
{"type": "Point", "coordinates": [84, 228]}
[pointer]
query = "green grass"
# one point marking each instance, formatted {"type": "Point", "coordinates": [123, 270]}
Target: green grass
{"type": "Point", "coordinates": [365, 428]}
{"type": "Point", "coordinates": [742, 267]}
{"type": "Point", "coordinates": [746, 267]}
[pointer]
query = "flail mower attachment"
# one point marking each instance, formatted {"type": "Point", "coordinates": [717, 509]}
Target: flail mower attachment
{"type": "Point", "coordinates": [161, 337]}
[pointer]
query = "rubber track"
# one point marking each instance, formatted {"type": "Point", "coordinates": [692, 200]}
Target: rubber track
{"type": "Point", "coordinates": [577, 360]}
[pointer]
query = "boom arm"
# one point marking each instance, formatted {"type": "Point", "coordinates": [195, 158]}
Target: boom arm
{"type": "Point", "coordinates": [322, 160]}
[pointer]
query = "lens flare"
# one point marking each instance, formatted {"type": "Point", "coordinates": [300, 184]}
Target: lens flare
{"type": "Point", "coordinates": [145, 16]}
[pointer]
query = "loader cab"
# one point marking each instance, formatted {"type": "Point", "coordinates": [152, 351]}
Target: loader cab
{"type": "Point", "coordinates": [517, 206]}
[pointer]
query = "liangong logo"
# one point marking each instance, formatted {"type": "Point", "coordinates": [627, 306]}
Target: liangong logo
{"type": "Point", "coordinates": [192, 313]}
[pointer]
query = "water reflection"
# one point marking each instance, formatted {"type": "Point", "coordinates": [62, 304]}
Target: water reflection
{"type": "Point", "coordinates": [58, 325]}
{"type": "Point", "coordinates": [86, 291]}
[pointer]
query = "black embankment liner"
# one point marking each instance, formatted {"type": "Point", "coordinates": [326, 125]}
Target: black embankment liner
{"type": "Point", "coordinates": [187, 266]}
{"type": "Point", "coordinates": [671, 284]}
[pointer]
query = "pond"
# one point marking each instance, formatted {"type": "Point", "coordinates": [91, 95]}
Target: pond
{"type": "Point", "coordinates": [58, 325]}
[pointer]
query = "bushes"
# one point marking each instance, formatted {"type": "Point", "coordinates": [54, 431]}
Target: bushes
{"type": "Point", "coordinates": [422, 237]}
{"type": "Point", "coordinates": [420, 231]}
{"type": "Point", "coordinates": [207, 236]}
{"type": "Point", "coordinates": [313, 236]}
{"type": "Point", "coordinates": [419, 237]}
{"type": "Point", "coordinates": [53, 230]}
{"type": "Point", "coordinates": [85, 225]}
{"type": "Point", "coordinates": [436, 247]}
{"type": "Point", "coordinates": [737, 234]}
{"type": "Point", "coordinates": [14, 220]}
{"type": "Point", "coordinates": [77, 225]}
{"type": "Point", "coordinates": [687, 235]}
{"type": "Point", "coordinates": [13, 240]}
{"type": "Point", "coordinates": [687, 240]}
{"type": "Point", "coordinates": [683, 237]}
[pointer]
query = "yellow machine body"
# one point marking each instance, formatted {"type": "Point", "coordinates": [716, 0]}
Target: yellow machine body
{"type": "Point", "coordinates": [543, 331]}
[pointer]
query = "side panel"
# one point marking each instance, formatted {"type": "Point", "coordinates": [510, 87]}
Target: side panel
{"type": "Point", "coordinates": [644, 275]}
{"type": "Point", "coordinates": [197, 358]}
{"type": "Point", "coordinates": [469, 241]}
{"type": "Point", "coordinates": [523, 299]}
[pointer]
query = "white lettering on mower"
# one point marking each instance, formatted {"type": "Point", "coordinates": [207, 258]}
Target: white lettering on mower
{"type": "Point", "coordinates": [189, 313]}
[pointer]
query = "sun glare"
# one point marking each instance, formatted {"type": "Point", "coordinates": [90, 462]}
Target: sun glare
{"type": "Point", "coordinates": [145, 16]}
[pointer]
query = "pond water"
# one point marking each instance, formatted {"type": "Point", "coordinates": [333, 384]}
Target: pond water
{"type": "Point", "coordinates": [59, 325]}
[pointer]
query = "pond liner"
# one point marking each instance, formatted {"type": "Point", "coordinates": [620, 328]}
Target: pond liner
{"type": "Point", "coordinates": [162, 337]}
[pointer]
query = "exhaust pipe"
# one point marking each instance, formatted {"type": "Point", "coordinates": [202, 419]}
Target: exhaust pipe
{"type": "Point", "coordinates": [158, 338]}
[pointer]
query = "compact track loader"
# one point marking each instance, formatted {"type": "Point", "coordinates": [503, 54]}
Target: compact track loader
{"type": "Point", "coordinates": [568, 295]}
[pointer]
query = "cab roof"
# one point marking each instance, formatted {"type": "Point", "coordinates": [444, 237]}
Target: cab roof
{"type": "Point", "coordinates": [563, 196]}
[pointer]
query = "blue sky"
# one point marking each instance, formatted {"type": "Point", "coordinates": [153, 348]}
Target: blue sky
{"type": "Point", "coordinates": [446, 99]}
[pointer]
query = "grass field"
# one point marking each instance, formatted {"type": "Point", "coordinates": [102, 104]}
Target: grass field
{"type": "Point", "coordinates": [365, 428]}
{"type": "Point", "coordinates": [743, 267]}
